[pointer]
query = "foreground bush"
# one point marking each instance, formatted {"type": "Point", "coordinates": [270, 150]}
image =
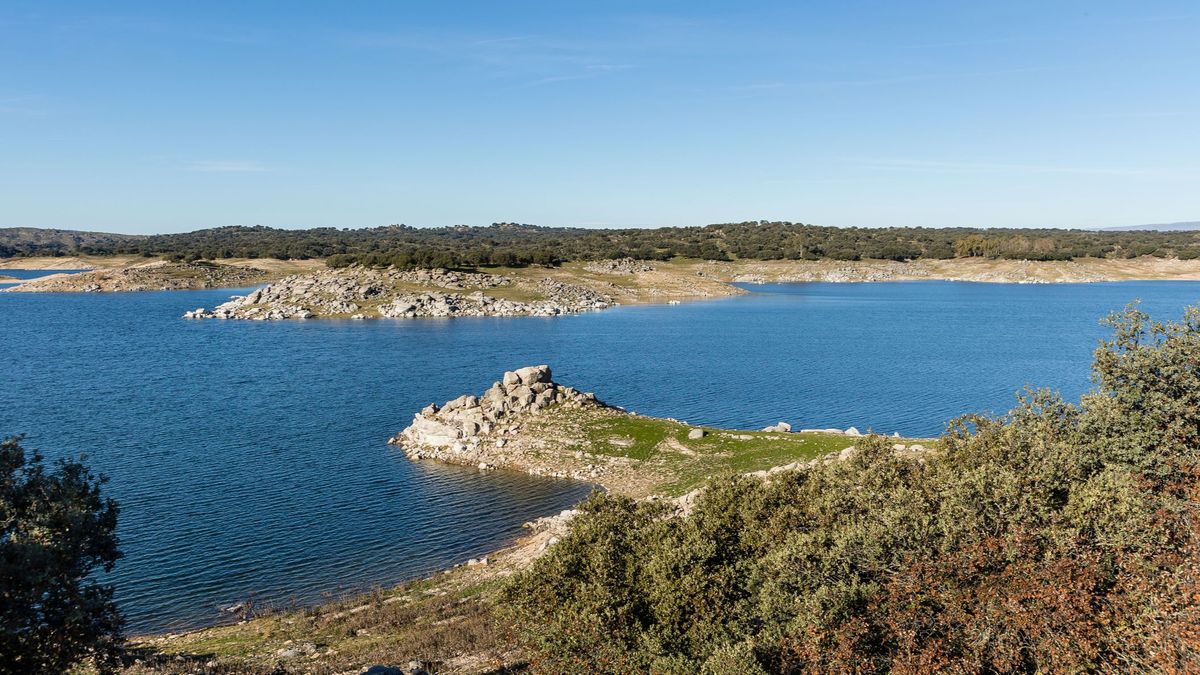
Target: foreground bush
{"type": "Point", "coordinates": [55, 530]}
{"type": "Point", "coordinates": [1059, 537]}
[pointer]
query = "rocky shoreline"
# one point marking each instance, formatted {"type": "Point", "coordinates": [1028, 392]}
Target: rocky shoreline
{"type": "Point", "coordinates": [362, 293]}
{"type": "Point", "coordinates": [978, 270]}
{"type": "Point", "coordinates": [476, 430]}
{"type": "Point", "coordinates": [527, 422]}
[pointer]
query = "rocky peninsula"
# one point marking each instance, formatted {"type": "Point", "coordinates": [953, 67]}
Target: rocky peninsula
{"type": "Point", "coordinates": [446, 622]}
{"type": "Point", "coordinates": [529, 423]}
{"type": "Point", "coordinates": [364, 293]}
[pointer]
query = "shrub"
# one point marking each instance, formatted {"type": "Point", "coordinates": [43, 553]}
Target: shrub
{"type": "Point", "coordinates": [1057, 537]}
{"type": "Point", "coordinates": [55, 530]}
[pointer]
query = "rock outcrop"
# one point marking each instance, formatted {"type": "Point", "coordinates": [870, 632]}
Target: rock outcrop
{"type": "Point", "coordinates": [472, 430]}
{"type": "Point", "coordinates": [360, 293]}
{"type": "Point", "coordinates": [619, 266]}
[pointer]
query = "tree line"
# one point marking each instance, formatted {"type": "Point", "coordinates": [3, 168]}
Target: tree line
{"type": "Point", "coordinates": [515, 244]}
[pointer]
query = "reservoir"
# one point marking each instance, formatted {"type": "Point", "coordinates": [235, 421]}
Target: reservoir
{"type": "Point", "coordinates": [250, 458]}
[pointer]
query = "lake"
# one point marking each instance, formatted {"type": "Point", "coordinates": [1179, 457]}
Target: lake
{"type": "Point", "coordinates": [250, 461]}
{"type": "Point", "coordinates": [25, 275]}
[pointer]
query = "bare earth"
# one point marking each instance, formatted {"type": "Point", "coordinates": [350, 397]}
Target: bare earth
{"type": "Point", "coordinates": [1082, 270]}
{"type": "Point", "coordinates": [676, 280]}
{"type": "Point", "coordinates": [150, 275]}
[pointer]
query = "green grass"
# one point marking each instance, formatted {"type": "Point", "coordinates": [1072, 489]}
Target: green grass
{"type": "Point", "coordinates": [664, 447]}
{"type": "Point", "coordinates": [607, 436]}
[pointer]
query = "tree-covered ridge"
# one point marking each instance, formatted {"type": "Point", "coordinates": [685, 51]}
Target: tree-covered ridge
{"type": "Point", "coordinates": [1058, 538]}
{"type": "Point", "coordinates": [514, 244]}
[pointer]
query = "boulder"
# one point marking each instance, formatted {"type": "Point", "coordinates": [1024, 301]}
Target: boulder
{"type": "Point", "coordinates": [533, 374]}
{"type": "Point", "coordinates": [696, 434]}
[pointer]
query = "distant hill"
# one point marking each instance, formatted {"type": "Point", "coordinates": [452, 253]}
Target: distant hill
{"type": "Point", "coordinates": [1160, 227]}
{"type": "Point", "coordinates": [39, 241]}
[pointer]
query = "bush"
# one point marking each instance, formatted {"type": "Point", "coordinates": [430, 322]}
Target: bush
{"type": "Point", "coordinates": [1057, 537]}
{"type": "Point", "coordinates": [56, 530]}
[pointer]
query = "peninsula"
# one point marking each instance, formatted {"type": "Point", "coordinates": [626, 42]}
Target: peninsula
{"type": "Point", "coordinates": [525, 422]}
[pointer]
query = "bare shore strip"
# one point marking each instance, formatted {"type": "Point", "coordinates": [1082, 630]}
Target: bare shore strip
{"type": "Point", "coordinates": [152, 275]}
{"type": "Point", "coordinates": [445, 623]}
{"type": "Point", "coordinates": [303, 288]}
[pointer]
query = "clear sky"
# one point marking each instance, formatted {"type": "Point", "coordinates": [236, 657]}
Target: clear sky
{"type": "Point", "coordinates": [170, 116]}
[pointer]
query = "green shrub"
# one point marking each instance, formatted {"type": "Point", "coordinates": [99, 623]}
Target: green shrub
{"type": "Point", "coordinates": [1057, 537]}
{"type": "Point", "coordinates": [55, 530]}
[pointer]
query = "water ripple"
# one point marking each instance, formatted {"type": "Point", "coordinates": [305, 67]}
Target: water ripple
{"type": "Point", "coordinates": [249, 458]}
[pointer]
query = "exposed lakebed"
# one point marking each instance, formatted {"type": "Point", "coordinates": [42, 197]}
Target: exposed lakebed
{"type": "Point", "coordinates": [250, 457]}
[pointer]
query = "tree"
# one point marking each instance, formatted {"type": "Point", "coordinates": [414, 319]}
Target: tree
{"type": "Point", "coordinates": [56, 529]}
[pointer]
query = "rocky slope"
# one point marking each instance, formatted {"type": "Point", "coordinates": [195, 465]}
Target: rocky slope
{"type": "Point", "coordinates": [152, 276]}
{"type": "Point", "coordinates": [361, 293]}
{"type": "Point", "coordinates": [620, 266]}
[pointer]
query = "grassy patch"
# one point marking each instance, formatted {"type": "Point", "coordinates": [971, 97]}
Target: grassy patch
{"type": "Point", "coordinates": [662, 447]}
{"type": "Point", "coordinates": [630, 436]}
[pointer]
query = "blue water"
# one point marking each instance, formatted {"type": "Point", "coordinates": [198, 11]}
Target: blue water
{"type": "Point", "coordinates": [250, 457]}
{"type": "Point", "coordinates": [30, 274]}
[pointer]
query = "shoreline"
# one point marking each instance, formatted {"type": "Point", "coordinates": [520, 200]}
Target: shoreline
{"type": "Point", "coordinates": [623, 281]}
{"type": "Point", "coordinates": [528, 423]}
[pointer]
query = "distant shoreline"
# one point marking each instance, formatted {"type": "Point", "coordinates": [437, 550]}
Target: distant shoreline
{"type": "Point", "coordinates": [604, 283]}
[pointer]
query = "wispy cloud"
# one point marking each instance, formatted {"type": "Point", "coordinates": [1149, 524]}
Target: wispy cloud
{"type": "Point", "coordinates": [612, 46]}
{"type": "Point", "coordinates": [1139, 115]}
{"type": "Point", "coordinates": [589, 72]}
{"type": "Point", "coordinates": [27, 105]}
{"type": "Point", "coordinates": [909, 78]}
{"type": "Point", "coordinates": [227, 166]}
{"type": "Point", "coordinates": [905, 164]}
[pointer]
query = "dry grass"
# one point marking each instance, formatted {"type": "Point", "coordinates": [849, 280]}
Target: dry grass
{"type": "Point", "coordinates": [445, 622]}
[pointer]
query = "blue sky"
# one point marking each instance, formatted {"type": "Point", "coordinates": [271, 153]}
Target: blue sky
{"type": "Point", "coordinates": [171, 116]}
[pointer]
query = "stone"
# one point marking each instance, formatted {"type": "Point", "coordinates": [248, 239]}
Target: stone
{"type": "Point", "coordinates": [782, 427]}
{"type": "Point", "coordinates": [533, 374]}
{"type": "Point", "coordinates": [696, 434]}
{"type": "Point", "coordinates": [853, 432]}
